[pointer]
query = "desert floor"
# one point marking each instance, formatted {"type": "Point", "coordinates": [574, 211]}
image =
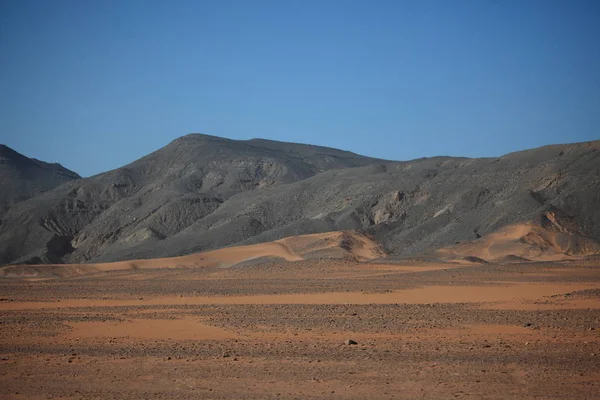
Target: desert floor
{"type": "Point", "coordinates": [278, 330]}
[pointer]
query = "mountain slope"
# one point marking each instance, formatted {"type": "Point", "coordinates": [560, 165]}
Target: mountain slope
{"type": "Point", "coordinates": [412, 207]}
{"type": "Point", "coordinates": [22, 177]}
{"type": "Point", "coordinates": [201, 192]}
{"type": "Point", "coordinates": [156, 196]}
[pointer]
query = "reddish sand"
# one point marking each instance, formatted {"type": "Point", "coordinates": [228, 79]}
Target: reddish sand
{"type": "Point", "coordinates": [293, 248]}
{"type": "Point", "coordinates": [527, 241]}
{"type": "Point", "coordinates": [426, 295]}
{"type": "Point", "coordinates": [168, 329]}
{"type": "Point", "coordinates": [278, 330]}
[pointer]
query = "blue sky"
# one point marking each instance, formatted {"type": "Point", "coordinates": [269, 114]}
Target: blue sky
{"type": "Point", "coordinates": [97, 84]}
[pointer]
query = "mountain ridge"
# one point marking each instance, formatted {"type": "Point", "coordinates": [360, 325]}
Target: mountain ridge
{"type": "Point", "coordinates": [22, 177]}
{"type": "Point", "coordinates": [194, 174]}
{"type": "Point", "coordinates": [202, 192]}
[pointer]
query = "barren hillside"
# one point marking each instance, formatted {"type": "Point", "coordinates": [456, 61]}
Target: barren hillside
{"type": "Point", "coordinates": [202, 192]}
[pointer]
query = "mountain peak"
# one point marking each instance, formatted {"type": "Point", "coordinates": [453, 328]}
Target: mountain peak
{"type": "Point", "coordinates": [10, 156]}
{"type": "Point", "coordinates": [22, 177]}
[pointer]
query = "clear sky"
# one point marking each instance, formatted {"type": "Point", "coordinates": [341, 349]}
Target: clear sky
{"type": "Point", "coordinates": [97, 84]}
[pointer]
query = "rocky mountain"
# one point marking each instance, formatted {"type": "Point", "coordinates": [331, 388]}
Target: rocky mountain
{"type": "Point", "coordinates": [155, 197]}
{"type": "Point", "coordinates": [202, 192]}
{"type": "Point", "coordinates": [22, 177]}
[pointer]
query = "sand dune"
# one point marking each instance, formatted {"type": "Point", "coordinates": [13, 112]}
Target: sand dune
{"type": "Point", "coordinates": [342, 244]}
{"type": "Point", "coordinates": [522, 243]}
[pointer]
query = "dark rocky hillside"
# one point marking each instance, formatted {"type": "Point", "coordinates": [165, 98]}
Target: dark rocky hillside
{"type": "Point", "coordinates": [155, 197]}
{"type": "Point", "coordinates": [201, 192]}
{"type": "Point", "coordinates": [22, 177]}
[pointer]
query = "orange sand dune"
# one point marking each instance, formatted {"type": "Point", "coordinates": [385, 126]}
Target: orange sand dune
{"type": "Point", "coordinates": [332, 244]}
{"type": "Point", "coordinates": [524, 242]}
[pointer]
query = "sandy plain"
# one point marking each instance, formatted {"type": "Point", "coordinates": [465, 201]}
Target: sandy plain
{"type": "Point", "coordinates": [277, 329]}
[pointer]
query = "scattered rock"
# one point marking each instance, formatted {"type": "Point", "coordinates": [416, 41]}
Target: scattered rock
{"type": "Point", "coordinates": [350, 342]}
